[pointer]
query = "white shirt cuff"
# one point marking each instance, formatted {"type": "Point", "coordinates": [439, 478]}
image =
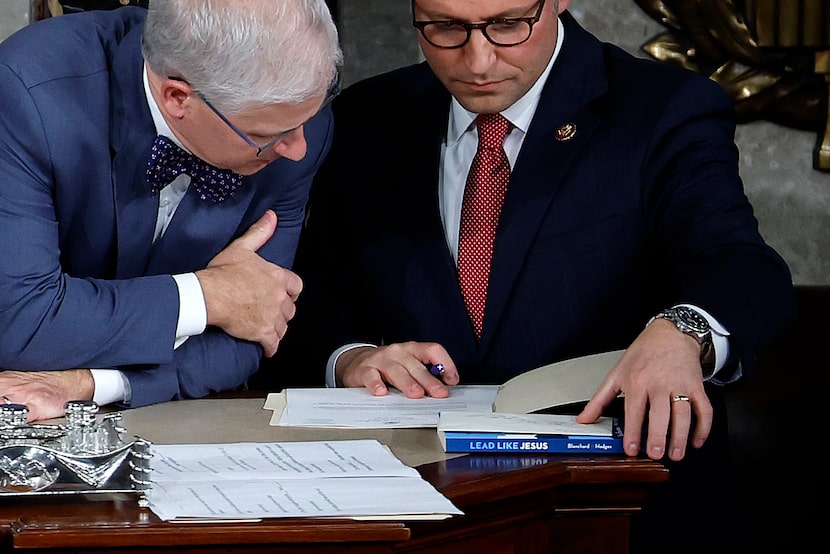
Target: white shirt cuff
{"type": "Point", "coordinates": [113, 386]}
{"type": "Point", "coordinates": [110, 386]}
{"type": "Point", "coordinates": [192, 309]}
{"type": "Point", "coordinates": [331, 380]}
{"type": "Point", "coordinates": [720, 342]}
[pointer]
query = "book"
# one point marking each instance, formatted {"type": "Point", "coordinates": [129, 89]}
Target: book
{"type": "Point", "coordinates": [527, 434]}
{"type": "Point", "coordinates": [454, 441]}
{"type": "Point", "coordinates": [562, 385]}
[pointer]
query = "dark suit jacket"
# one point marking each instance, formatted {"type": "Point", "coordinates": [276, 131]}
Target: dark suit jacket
{"type": "Point", "coordinates": [642, 209]}
{"type": "Point", "coordinates": [81, 284]}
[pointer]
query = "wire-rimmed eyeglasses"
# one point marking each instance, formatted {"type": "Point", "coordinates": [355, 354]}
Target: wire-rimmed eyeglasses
{"type": "Point", "coordinates": [450, 33]}
{"type": "Point", "coordinates": [331, 94]}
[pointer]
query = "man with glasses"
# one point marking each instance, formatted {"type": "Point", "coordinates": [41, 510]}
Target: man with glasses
{"type": "Point", "coordinates": [154, 170]}
{"type": "Point", "coordinates": [610, 216]}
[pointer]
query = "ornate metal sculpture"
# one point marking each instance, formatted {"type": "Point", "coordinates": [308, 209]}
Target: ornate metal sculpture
{"type": "Point", "coordinates": [771, 56]}
{"type": "Point", "coordinates": [86, 455]}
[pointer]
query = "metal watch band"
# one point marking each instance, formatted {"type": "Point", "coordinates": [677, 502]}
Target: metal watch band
{"type": "Point", "coordinates": [694, 324]}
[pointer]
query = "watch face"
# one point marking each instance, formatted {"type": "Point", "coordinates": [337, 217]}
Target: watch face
{"type": "Point", "coordinates": [692, 319]}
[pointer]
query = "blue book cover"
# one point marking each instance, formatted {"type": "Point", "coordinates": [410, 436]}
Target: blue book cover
{"type": "Point", "coordinates": [520, 443]}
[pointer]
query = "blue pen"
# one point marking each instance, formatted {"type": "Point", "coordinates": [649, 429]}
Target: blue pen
{"type": "Point", "coordinates": [437, 369]}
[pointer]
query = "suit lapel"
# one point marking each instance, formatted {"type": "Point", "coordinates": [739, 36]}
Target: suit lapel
{"type": "Point", "coordinates": [576, 80]}
{"type": "Point", "coordinates": [133, 132]}
{"type": "Point", "coordinates": [198, 231]}
{"type": "Point", "coordinates": [423, 221]}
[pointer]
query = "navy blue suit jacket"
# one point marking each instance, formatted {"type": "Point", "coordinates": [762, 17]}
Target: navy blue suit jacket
{"type": "Point", "coordinates": [81, 283]}
{"type": "Point", "coordinates": [642, 209]}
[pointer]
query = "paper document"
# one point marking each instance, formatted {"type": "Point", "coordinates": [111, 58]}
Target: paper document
{"type": "Point", "coordinates": [529, 424]}
{"type": "Point", "coordinates": [358, 408]}
{"type": "Point", "coordinates": [354, 479]}
{"type": "Point", "coordinates": [558, 384]}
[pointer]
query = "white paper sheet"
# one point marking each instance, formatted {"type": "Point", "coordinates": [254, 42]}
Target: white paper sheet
{"type": "Point", "coordinates": [276, 460]}
{"type": "Point", "coordinates": [358, 408]}
{"type": "Point", "coordinates": [249, 481]}
{"type": "Point", "coordinates": [531, 424]}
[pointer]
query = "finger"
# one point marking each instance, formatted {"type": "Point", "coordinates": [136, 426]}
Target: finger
{"type": "Point", "coordinates": [270, 343]}
{"type": "Point", "coordinates": [704, 414]}
{"type": "Point", "coordinates": [374, 383]}
{"type": "Point", "coordinates": [430, 379]}
{"type": "Point", "coordinates": [450, 375]}
{"type": "Point", "coordinates": [659, 414]}
{"type": "Point", "coordinates": [597, 404]}
{"type": "Point", "coordinates": [281, 329]}
{"type": "Point", "coordinates": [258, 234]}
{"type": "Point", "coordinates": [634, 406]}
{"type": "Point", "coordinates": [401, 377]}
{"type": "Point", "coordinates": [447, 373]}
{"type": "Point", "coordinates": [592, 410]}
{"type": "Point", "coordinates": [40, 412]}
{"type": "Point", "coordinates": [681, 420]}
{"type": "Point", "coordinates": [293, 285]}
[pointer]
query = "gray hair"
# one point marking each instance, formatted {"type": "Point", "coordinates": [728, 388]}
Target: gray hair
{"type": "Point", "coordinates": [244, 53]}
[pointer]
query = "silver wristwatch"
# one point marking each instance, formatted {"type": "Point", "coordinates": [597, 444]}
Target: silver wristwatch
{"type": "Point", "coordinates": [692, 323]}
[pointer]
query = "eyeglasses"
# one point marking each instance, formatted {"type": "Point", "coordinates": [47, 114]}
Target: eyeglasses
{"type": "Point", "coordinates": [331, 94]}
{"type": "Point", "coordinates": [507, 31]}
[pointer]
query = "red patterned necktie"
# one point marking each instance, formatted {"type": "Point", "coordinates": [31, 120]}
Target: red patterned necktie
{"type": "Point", "coordinates": [483, 198]}
{"type": "Point", "coordinates": [167, 161]}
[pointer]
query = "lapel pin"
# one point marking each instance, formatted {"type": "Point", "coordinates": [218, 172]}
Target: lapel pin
{"type": "Point", "coordinates": [566, 132]}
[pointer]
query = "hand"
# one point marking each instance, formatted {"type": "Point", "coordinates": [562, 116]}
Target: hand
{"type": "Point", "coordinates": [46, 392]}
{"type": "Point", "coordinates": [660, 364]}
{"type": "Point", "coordinates": [402, 365]}
{"type": "Point", "coordinates": [247, 296]}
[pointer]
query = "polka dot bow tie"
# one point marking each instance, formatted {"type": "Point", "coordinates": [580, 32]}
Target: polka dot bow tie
{"type": "Point", "coordinates": [167, 161]}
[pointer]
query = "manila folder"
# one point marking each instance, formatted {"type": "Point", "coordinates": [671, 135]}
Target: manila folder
{"type": "Point", "coordinates": [557, 384]}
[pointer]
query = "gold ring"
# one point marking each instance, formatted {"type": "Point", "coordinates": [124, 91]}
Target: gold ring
{"type": "Point", "coordinates": [680, 398]}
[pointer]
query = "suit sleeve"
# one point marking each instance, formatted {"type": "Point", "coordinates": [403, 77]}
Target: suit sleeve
{"type": "Point", "coordinates": [50, 318]}
{"type": "Point", "coordinates": [214, 361]}
{"type": "Point", "coordinates": [705, 225]}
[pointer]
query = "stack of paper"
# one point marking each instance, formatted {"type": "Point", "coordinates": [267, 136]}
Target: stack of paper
{"type": "Point", "coordinates": [357, 408]}
{"type": "Point", "coordinates": [352, 479]}
{"type": "Point", "coordinates": [559, 384]}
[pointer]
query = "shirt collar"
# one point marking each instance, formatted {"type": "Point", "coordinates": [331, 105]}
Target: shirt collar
{"type": "Point", "coordinates": [162, 128]}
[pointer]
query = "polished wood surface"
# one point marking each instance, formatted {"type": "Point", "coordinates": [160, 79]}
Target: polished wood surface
{"type": "Point", "coordinates": [527, 504]}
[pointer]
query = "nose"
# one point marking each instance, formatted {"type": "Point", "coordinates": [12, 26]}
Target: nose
{"type": "Point", "coordinates": [479, 52]}
{"type": "Point", "coordinates": [292, 146]}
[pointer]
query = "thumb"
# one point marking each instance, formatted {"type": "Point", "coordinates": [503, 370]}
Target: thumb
{"type": "Point", "coordinates": [258, 233]}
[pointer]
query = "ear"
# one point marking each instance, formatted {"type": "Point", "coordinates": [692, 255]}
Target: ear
{"type": "Point", "coordinates": [563, 5]}
{"type": "Point", "coordinates": [174, 96]}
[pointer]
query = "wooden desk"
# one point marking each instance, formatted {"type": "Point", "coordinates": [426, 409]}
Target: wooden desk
{"type": "Point", "coordinates": [522, 504]}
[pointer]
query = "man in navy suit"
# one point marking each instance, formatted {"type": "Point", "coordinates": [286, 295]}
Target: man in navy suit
{"type": "Point", "coordinates": [154, 170]}
{"type": "Point", "coordinates": [624, 203]}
